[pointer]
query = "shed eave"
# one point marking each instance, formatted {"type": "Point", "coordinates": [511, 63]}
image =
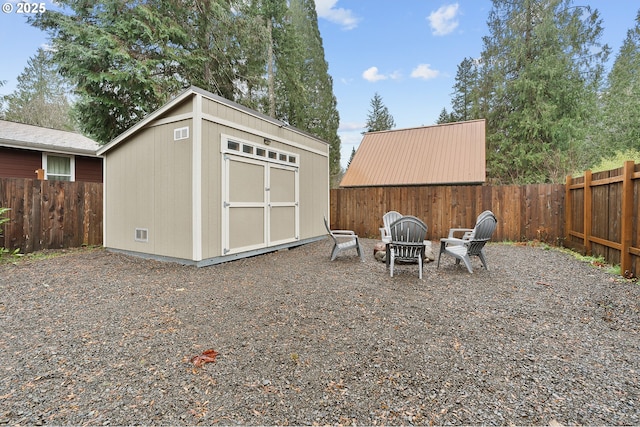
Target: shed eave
{"type": "Point", "coordinates": [142, 123]}
{"type": "Point", "coordinates": [193, 90]}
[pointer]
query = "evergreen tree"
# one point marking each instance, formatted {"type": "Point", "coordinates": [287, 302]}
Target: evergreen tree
{"type": "Point", "coordinates": [621, 128]}
{"type": "Point", "coordinates": [40, 97]}
{"type": "Point", "coordinates": [542, 70]}
{"type": "Point", "coordinates": [445, 117]}
{"type": "Point", "coordinates": [127, 57]}
{"type": "Point", "coordinates": [464, 106]}
{"type": "Point", "coordinates": [2, 100]}
{"type": "Point", "coordinates": [379, 117]}
{"type": "Point", "coordinates": [353, 153]}
{"type": "Point", "coordinates": [307, 94]}
{"type": "Point", "coordinates": [117, 55]}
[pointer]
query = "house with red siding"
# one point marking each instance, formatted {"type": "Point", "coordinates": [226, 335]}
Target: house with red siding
{"type": "Point", "coordinates": [28, 151]}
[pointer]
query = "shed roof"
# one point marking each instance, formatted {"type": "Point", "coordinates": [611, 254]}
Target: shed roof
{"type": "Point", "coordinates": [30, 137]}
{"type": "Point", "coordinates": [452, 153]}
{"type": "Point", "coordinates": [187, 94]}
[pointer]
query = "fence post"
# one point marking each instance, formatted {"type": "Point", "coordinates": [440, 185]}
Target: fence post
{"type": "Point", "coordinates": [626, 216]}
{"type": "Point", "coordinates": [588, 214]}
{"type": "Point", "coordinates": [568, 223]}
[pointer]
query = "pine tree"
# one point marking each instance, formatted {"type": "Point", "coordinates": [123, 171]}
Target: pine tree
{"type": "Point", "coordinates": [312, 105]}
{"type": "Point", "coordinates": [353, 153]}
{"type": "Point", "coordinates": [621, 128]}
{"type": "Point", "coordinates": [445, 117]}
{"type": "Point", "coordinates": [379, 117]}
{"type": "Point", "coordinates": [464, 106]}
{"type": "Point", "coordinates": [41, 96]}
{"type": "Point", "coordinates": [542, 68]}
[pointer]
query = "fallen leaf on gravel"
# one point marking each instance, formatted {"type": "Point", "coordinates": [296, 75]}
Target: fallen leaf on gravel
{"type": "Point", "coordinates": [206, 356]}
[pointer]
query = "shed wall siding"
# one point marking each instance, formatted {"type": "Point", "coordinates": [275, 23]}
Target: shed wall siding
{"type": "Point", "coordinates": [149, 187]}
{"type": "Point", "coordinates": [314, 170]}
{"type": "Point", "coordinates": [211, 191]}
{"type": "Point", "coordinates": [314, 193]}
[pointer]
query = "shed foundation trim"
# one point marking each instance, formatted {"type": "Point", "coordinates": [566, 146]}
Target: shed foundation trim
{"type": "Point", "coordinates": [221, 259]}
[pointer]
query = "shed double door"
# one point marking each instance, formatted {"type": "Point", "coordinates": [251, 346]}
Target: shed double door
{"type": "Point", "coordinates": [260, 207]}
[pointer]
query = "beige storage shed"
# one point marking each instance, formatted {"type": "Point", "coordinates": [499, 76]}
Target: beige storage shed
{"type": "Point", "coordinates": [204, 180]}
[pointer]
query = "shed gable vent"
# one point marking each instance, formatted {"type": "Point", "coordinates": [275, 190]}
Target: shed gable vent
{"type": "Point", "coordinates": [181, 133]}
{"type": "Point", "coordinates": [142, 235]}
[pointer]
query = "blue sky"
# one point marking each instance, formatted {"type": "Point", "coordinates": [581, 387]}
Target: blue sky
{"type": "Point", "coordinates": [407, 51]}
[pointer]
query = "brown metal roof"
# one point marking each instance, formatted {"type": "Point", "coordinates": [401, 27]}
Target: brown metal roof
{"type": "Point", "coordinates": [452, 153]}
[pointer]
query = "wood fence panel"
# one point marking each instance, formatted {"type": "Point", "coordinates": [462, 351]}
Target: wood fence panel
{"type": "Point", "coordinates": [521, 210]}
{"type": "Point", "coordinates": [50, 214]}
{"type": "Point", "coordinates": [609, 203]}
{"type": "Point", "coordinates": [575, 215]}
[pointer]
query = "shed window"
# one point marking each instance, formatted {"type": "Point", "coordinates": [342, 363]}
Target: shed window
{"type": "Point", "coordinates": [58, 168]}
{"type": "Point", "coordinates": [255, 151]}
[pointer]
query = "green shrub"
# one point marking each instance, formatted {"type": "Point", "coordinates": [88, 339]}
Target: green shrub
{"type": "Point", "coordinates": [614, 162]}
{"type": "Point", "coordinates": [3, 220]}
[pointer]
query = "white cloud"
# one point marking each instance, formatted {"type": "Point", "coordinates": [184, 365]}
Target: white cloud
{"type": "Point", "coordinates": [424, 71]}
{"type": "Point", "coordinates": [443, 21]}
{"type": "Point", "coordinates": [373, 75]}
{"type": "Point", "coordinates": [326, 9]}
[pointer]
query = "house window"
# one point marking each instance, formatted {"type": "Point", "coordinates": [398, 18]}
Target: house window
{"type": "Point", "coordinates": [58, 168]}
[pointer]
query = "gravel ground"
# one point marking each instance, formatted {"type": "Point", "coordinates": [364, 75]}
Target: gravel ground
{"type": "Point", "coordinates": [99, 338]}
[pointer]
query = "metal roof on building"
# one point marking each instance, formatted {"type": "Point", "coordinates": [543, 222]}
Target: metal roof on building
{"type": "Point", "coordinates": [452, 153]}
{"type": "Point", "coordinates": [29, 137]}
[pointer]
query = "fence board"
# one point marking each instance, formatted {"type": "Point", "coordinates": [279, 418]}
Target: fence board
{"type": "Point", "coordinates": [50, 214]}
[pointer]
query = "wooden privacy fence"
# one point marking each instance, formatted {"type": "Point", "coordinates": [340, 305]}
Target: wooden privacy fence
{"type": "Point", "coordinates": [50, 214]}
{"type": "Point", "coordinates": [526, 212]}
{"type": "Point", "coordinates": [596, 214]}
{"type": "Point", "coordinates": [602, 215]}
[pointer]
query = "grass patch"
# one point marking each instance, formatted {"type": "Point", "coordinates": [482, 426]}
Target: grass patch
{"type": "Point", "coordinates": [15, 257]}
{"type": "Point", "coordinates": [595, 261]}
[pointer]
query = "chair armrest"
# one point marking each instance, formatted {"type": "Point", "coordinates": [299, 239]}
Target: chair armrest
{"type": "Point", "coordinates": [453, 240]}
{"type": "Point", "coordinates": [343, 232]}
{"type": "Point", "coordinates": [452, 231]}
